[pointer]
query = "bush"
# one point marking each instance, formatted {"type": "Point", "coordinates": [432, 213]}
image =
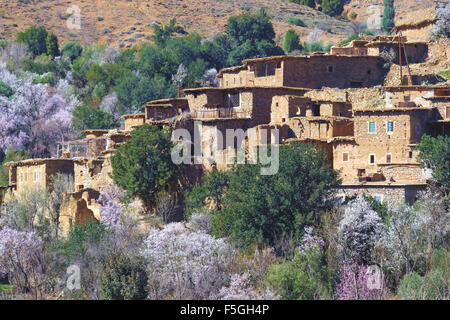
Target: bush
{"type": "Point", "coordinates": [296, 21]}
{"type": "Point", "coordinates": [5, 90]}
{"type": "Point", "coordinates": [291, 41]}
{"type": "Point", "coordinates": [72, 50]}
{"type": "Point", "coordinates": [124, 278]}
{"type": "Point", "coordinates": [434, 285]}
{"type": "Point", "coordinates": [332, 7]}
{"type": "Point", "coordinates": [305, 277]}
{"type": "Point", "coordinates": [349, 39]}
{"type": "Point", "coordinates": [89, 117]}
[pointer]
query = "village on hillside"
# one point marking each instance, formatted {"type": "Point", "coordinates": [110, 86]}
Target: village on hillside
{"type": "Point", "coordinates": [164, 198]}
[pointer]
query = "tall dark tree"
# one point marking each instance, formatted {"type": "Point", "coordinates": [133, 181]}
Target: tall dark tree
{"type": "Point", "coordinates": [388, 16]}
{"type": "Point", "coordinates": [35, 38]}
{"type": "Point", "coordinates": [52, 45]}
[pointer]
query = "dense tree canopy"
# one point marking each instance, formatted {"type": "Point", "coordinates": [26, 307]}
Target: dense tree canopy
{"type": "Point", "coordinates": [143, 165]}
{"type": "Point", "coordinates": [435, 155]}
{"type": "Point", "coordinates": [266, 207]}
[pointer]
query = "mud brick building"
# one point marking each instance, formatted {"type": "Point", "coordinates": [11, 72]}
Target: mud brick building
{"type": "Point", "coordinates": [336, 101]}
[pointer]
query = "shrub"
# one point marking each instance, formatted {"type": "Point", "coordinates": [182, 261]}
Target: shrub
{"type": "Point", "coordinates": [349, 39]}
{"type": "Point", "coordinates": [124, 278]}
{"type": "Point", "coordinates": [183, 264]}
{"type": "Point", "coordinates": [291, 41]}
{"type": "Point", "coordinates": [434, 285]}
{"type": "Point", "coordinates": [305, 277]}
{"type": "Point", "coordinates": [296, 21]}
{"type": "Point", "coordinates": [442, 26]}
{"type": "Point", "coordinates": [358, 231]}
{"type": "Point", "coordinates": [332, 7]}
{"type": "Point", "coordinates": [72, 50]}
{"type": "Point", "coordinates": [356, 283]}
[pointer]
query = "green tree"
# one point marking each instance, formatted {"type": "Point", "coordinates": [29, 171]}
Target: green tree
{"type": "Point", "coordinates": [252, 35]}
{"type": "Point", "coordinates": [291, 41]}
{"type": "Point", "coordinates": [305, 277]}
{"type": "Point", "coordinates": [5, 90]}
{"type": "Point", "coordinates": [332, 7]}
{"type": "Point", "coordinates": [72, 50]}
{"type": "Point", "coordinates": [388, 16]}
{"type": "Point", "coordinates": [264, 208]}
{"type": "Point", "coordinates": [434, 154]}
{"type": "Point", "coordinates": [52, 45]}
{"type": "Point", "coordinates": [162, 34]}
{"type": "Point", "coordinates": [35, 38]}
{"type": "Point", "coordinates": [212, 188]}
{"type": "Point", "coordinates": [309, 3]}
{"type": "Point", "coordinates": [124, 278]}
{"type": "Point", "coordinates": [90, 117]}
{"type": "Point", "coordinates": [10, 155]}
{"type": "Point", "coordinates": [143, 165]}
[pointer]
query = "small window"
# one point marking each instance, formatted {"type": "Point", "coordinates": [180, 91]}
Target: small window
{"type": "Point", "coordinates": [410, 154]}
{"type": "Point", "coordinates": [40, 176]}
{"type": "Point", "coordinates": [345, 156]}
{"type": "Point", "coordinates": [390, 126]}
{"type": "Point", "coordinates": [371, 126]}
{"type": "Point", "coordinates": [361, 172]}
{"type": "Point", "coordinates": [388, 158]}
{"type": "Point", "coordinates": [330, 68]}
{"type": "Point", "coordinates": [35, 176]}
{"type": "Point", "coordinates": [418, 128]}
{"type": "Point", "coordinates": [407, 98]}
{"type": "Point", "coordinates": [369, 71]}
{"type": "Point", "coordinates": [378, 198]}
{"type": "Point", "coordinates": [371, 159]}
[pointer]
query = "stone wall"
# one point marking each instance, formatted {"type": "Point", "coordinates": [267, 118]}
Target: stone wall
{"type": "Point", "coordinates": [385, 193]}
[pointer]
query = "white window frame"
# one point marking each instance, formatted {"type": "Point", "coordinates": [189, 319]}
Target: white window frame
{"type": "Point", "coordinates": [374, 159]}
{"type": "Point", "coordinates": [388, 154]}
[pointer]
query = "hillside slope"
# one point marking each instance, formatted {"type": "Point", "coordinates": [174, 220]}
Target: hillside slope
{"type": "Point", "coordinates": [123, 23]}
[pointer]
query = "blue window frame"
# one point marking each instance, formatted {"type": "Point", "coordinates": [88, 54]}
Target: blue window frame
{"type": "Point", "coordinates": [371, 126]}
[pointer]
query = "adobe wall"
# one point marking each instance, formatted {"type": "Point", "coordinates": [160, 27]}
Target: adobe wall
{"type": "Point", "coordinates": [416, 52]}
{"type": "Point", "coordinates": [333, 71]}
{"type": "Point", "coordinates": [26, 177]}
{"type": "Point", "coordinates": [351, 51]}
{"type": "Point", "coordinates": [389, 194]}
{"type": "Point", "coordinates": [134, 121]}
{"type": "Point", "coordinates": [418, 34]}
{"type": "Point", "coordinates": [347, 168]}
{"type": "Point", "coordinates": [90, 173]}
